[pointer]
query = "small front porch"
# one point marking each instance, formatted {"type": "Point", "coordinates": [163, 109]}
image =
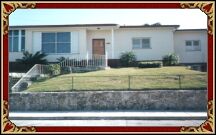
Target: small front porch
{"type": "Point", "coordinates": [100, 41]}
{"type": "Point", "coordinates": [96, 46]}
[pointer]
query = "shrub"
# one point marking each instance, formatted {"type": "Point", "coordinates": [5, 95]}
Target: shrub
{"type": "Point", "coordinates": [32, 59]}
{"type": "Point", "coordinates": [53, 69]}
{"type": "Point", "coordinates": [170, 60]}
{"type": "Point", "coordinates": [150, 64]}
{"type": "Point", "coordinates": [35, 78]}
{"type": "Point", "coordinates": [66, 70]}
{"type": "Point", "coordinates": [61, 59]}
{"type": "Point", "coordinates": [23, 86]}
{"type": "Point", "coordinates": [128, 59]}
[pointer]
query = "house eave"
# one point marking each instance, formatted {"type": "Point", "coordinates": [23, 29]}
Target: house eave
{"type": "Point", "coordinates": [150, 26]}
{"type": "Point", "coordinates": [63, 26]}
{"type": "Point", "coordinates": [179, 30]}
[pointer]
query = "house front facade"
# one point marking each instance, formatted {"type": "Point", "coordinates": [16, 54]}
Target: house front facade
{"type": "Point", "coordinates": [149, 42]}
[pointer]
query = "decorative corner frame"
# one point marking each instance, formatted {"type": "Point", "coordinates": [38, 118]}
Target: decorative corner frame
{"type": "Point", "coordinates": [8, 126]}
{"type": "Point", "coordinates": [207, 126]}
{"type": "Point", "coordinates": [207, 8]}
{"type": "Point", "coordinates": [8, 8]}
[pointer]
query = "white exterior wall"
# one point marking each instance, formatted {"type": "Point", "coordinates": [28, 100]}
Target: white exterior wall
{"type": "Point", "coordinates": [15, 55]}
{"type": "Point", "coordinates": [161, 41]}
{"type": "Point", "coordinates": [100, 34]}
{"type": "Point", "coordinates": [191, 56]}
{"type": "Point", "coordinates": [33, 43]}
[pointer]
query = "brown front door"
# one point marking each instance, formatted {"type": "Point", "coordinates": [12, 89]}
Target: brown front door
{"type": "Point", "coordinates": [98, 47]}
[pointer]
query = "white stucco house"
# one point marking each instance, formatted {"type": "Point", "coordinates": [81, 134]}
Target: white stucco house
{"type": "Point", "coordinates": [148, 42]}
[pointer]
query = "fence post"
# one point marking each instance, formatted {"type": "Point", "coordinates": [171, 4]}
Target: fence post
{"type": "Point", "coordinates": [179, 78]}
{"type": "Point", "coordinates": [72, 81]}
{"type": "Point", "coordinates": [87, 57]}
{"type": "Point", "coordinates": [106, 59]}
{"type": "Point", "coordinates": [129, 77]}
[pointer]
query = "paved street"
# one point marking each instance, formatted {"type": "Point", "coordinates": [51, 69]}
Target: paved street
{"type": "Point", "coordinates": [108, 122]}
{"type": "Point", "coordinates": [80, 115]}
{"type": "Point", "coordinates": [108, 118]}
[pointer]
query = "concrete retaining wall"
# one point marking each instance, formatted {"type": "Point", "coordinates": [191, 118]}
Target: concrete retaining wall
{"type": "Point", "coordinates": [110, 100]}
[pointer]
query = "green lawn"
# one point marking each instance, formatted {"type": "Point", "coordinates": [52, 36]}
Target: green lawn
{"type": "Point", "coordinates": [119, 78]}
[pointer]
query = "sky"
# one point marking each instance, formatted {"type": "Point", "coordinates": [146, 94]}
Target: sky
{"type": "Point", "coordinates": [186, 18]}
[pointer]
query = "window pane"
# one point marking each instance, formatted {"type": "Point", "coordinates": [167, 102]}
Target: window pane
{"type": "Point", "coordinates": [188, 43]}
{"type": "Point", "coordinates": [15, 44]}
{"type": "Point", "coordinates": [136, 43]}
{"type": "Point", "coordinates": [145, 43]}
{"type": "Point", "coordinates": [63, 48]}
{"type": "Point", "coordinates": [15, 32]}
{"type": "Point", "coordinates": [10, 32]}
{"type": "Point", "coordinates": [48, 47]}
{"type": "Point", "coordinates": [196, 43]}
{"type": "Point", "coordinates": [48, 37]}
{"type": "Point", "coordinates": [10, 44]}
{"type": "Point", "coordinates": [136, 46]}
{"type": "Point", "coordinates": [189, 46]}
{"type": "Point", "coordinates": [23, 44]}
{"type": "Point", "coordinates": [197, 48]}
{"type": "Point", "coordinates": [145, 46]}
{"type": "Point", "coordinates": [63, 37]}
{"type": "Point", "coordinates": [23, 32]}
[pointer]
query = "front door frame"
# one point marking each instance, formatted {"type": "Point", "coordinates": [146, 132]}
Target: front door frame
{"type": "Point", "coordinates": [103, 44]}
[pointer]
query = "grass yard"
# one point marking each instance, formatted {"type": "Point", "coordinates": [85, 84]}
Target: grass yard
{"type": "Point", "coordinates": [123, 78]}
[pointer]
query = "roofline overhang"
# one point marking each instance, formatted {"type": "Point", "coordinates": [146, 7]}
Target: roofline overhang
{"type": "Point", "coordinates": [151, 26]}
{"type": "Point", "coordinates": [94, 25]}
{"type": "Point", "coordinates": [66, 25]}
{"type": "Point", "coordinates": [192, 30]}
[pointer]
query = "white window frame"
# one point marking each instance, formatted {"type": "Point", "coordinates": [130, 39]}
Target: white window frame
{"type": "Point", "coordinates": [140, 45]}
{"type": "Point", "coordinates": [19, 36]}
{"type": "Point", "coordinates": [57, 42]}
{"type": "Point", "coordinates": [20, 42]}
{"type": "Point", "coordinates": [193, 48]}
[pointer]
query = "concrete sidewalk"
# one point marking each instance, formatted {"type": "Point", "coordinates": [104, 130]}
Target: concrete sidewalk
{"type": "Point", "coordinates": [99, 123]}
{"type": "Point", "coordinates": [108, 115]}
{"type": "Point", "coordinates": [108, 118]}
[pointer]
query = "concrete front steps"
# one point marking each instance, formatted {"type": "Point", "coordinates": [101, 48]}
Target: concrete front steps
{"type": "Point", "coordinates": [108, 115]}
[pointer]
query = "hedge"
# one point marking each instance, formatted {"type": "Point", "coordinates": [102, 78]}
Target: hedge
{"type": "Point", "coordinates": [154, 64]}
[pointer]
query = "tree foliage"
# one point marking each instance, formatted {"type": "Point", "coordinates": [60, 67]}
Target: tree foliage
{"type": "Point", "coordinates": [32, 59]}
{"type": "Point", "coordinates": [170, 59]}
{"type": "Point", "coordinates": [128, 59]}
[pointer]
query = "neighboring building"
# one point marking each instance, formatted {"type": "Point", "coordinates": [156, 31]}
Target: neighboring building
{"type": "Point", "coordinates": [191, 45]}
{"type": "Point", "coordinates": [150, 42]}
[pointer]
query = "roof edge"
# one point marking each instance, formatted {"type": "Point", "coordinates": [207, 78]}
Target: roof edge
{"type": "Point", "coordinates": [148, 26]}
{"type": "Point", "coordinates": [63, 25]}
{"type": "Point", "coordinates": [92, 25]}
{"type": "Point", "coordinates": [192, 30]}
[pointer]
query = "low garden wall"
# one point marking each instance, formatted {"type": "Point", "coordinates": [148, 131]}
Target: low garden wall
{"type": "Point", "coordinates": [145, 100]}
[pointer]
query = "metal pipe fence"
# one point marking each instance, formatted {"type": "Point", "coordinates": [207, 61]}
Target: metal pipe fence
{"type": "Point", "coordinates": [130, 82]}
{"type": "Point", "coordinates": [36, 71]}
{"type": "Point", "coordinates": [85, 61]}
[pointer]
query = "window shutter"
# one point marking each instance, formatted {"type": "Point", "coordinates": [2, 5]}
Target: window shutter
{"type": "Point", "coordinates": [74, 42]}
{"type": "Point", "coordinates": [36, 42]}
